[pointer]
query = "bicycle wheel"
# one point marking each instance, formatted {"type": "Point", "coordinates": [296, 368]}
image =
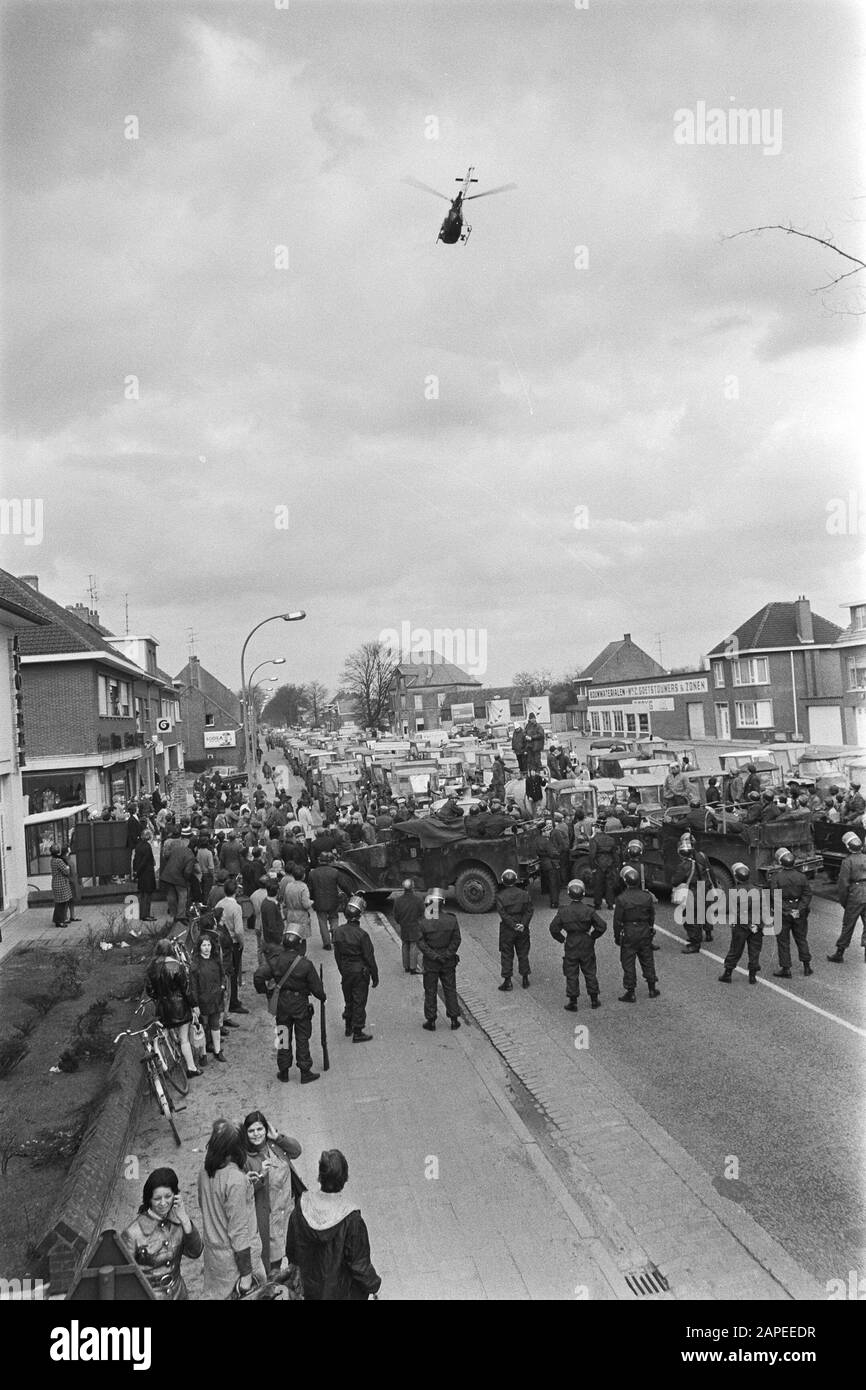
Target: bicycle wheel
{"type": "Point", "coordinates": [162, 1099]}
{"type": "Point", "coordinates": [171, 1062]}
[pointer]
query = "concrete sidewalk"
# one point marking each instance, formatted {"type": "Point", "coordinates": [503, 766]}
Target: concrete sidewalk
{"type": "Point", "coordinates": [459, 1200]}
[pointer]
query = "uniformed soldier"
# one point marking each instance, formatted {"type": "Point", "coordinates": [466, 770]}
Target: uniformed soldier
{"type": "Point", "coordinates": [515, 909]}
{"type": "Point", "coordinates": [605, 862]}
{"type": "Point", "coordinates": [356, 962]}
{"type": "Point", "coordinates": [744, 918]}
{"type": "Point", "coordinates": [439, 944]}
{"type": "Point", "coordinates": [579, 926]}
{"type": "Point", "coordinates": [851, 889]}
{"type": "Point", "coordinates": [796, 896]}
{"type": "Point", "coordinates": [549, 860]}
{"type": "Point", "coordinates": [294, 978]}
{"type": "Point", "coordinates": [633, 920]}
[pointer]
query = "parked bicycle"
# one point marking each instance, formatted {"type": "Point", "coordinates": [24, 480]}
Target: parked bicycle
{"type": "Point", "coordinates": [163, 1063]}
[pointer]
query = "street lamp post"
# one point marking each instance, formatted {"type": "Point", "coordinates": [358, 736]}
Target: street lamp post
{"type": "Point", "coordinates": [267, 680]}
{"type": "Point", "coordinates": [293, 617]}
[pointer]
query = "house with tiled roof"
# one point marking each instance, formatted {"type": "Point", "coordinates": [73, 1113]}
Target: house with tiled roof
{"type": "Point", "coordinates": [780, 675]}
{"type": "Point", "coordinates": [85, 736]}
{"type": "Point", "coordinates": [852, 654]}
{"type": "Point", "coordinates": [423, 686]}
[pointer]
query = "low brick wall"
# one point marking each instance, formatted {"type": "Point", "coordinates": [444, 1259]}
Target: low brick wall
{"type": "Point", "coordinates": [77, 1217]}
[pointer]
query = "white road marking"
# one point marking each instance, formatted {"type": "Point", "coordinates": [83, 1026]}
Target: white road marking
{"type": "Point", "coordinates": [834, 1018]}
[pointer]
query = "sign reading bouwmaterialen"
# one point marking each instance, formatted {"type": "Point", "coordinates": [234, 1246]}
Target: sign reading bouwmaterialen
{"type": "Point", "coordinates": [697, 685]}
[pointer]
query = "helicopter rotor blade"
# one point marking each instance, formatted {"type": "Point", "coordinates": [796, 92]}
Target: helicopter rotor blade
{"type": "Point", "coordinates": [503, 188]}
{"type": "Point", "coordinates": [416, 183]}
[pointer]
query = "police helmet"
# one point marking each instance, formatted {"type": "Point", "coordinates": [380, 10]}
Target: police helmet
{"type": "Point", "coordinates": [686, 844]}
{"type": "Point", "coordinates": [356, 905]}
{"type": "Point", "coordinates": [852, 842]}
{"type": "Point", "coordinates": [629, 876]}
{"type": "Point", "coordinates": [740, 871]}
{"type": "Point", "coordinates": [291, 937]}
{"type": "Point", "coordinates": [784, 857]}
{"type": "Point", "coordinates": [634, 849]}
{"type": "Point", "coordinates": [436, 895]}
{"type": "Point", "coordinates": [576, 888]}
{"type": "Point", "coordinates": [509, 876]}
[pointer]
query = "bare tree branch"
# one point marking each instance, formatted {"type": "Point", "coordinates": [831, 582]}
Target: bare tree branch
{"type": "Point", "coordinates": [808, 236]}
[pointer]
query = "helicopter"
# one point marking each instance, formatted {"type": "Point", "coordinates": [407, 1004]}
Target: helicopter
{"type": "Point", "coordinates": [453, 228]}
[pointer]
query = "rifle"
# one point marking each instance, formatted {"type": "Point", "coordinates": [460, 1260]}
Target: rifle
{"type": "Point", "coordinates": [323, 1027]}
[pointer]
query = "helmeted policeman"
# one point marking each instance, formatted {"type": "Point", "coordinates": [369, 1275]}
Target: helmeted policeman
{"type": "Point", "coordinates": [356, 962]}
{"type": "Point", "coordinates": [796, 892]}
{"type": "Point", "coordinates": [747, 930]}
{"type": "Point", "coordinates": [579, 926]}
{"type": "Point", "coordinates": [294, 978]}
{"type": "Point", "coordinates": [439, 944]}
{"type": "Point", "coordinates": [851, 889]}
{"type": "Point", "coordinates": [605, 862]}
{"type": "Point", "coordinates": [693, 868]}
{"type": "Point", "coordinates": [515, 909]}
{"type": "Point", "coordinates": [634, 857]}
{"type": "Point", "coordinates": [633, 920]}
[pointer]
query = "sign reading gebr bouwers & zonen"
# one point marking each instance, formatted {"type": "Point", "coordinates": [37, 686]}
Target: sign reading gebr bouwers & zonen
{"type": "Point", "coordinates": [696, 685]}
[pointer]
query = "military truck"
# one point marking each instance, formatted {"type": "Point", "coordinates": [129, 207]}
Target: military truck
{"type": "Point", "coordinates": [754, 845]}
{"type": "Point", "coordinates": [434, 856]}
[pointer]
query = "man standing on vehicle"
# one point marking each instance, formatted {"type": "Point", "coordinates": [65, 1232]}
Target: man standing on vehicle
{"type": "Point", "coordinates": [356, 962]}
{"type": "Point", "coordinates": [439, 944]}
{"type": "Point", "coordinates": [518, 747]}
{"type": "Point", "coordinates": [294, 978]}
{"type": "Point", "coordinates": [633, 921]}
{"type": "Point", "coordinates": [534, 744]}
{"type": "Point", "coordinates": [515, 909]}
{"type": "Point", "coordinates": [855, 806]}
{"type": "Point", "coordinates": [851, 889]}
{"type": "Point", "coordinates": [579, 926]}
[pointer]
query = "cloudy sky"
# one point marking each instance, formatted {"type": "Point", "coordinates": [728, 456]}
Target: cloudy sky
{"type": "Point", "coordinates": [694, 395]}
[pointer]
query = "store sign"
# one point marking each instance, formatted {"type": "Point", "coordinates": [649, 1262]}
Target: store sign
{"type": "Point", "coordinates": [697, 685]}
{"type": "Point", "coordinates": [655, 706]}
{"type": "Point", "coordinates": [463, 714]}
{"type": "Point", "coordinates": [164, 726]}
{"type": "Point", "coordinates": [220, 738]}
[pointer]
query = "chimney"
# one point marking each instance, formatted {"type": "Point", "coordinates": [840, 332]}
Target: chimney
{"type": "Point", "coordinates": [803, 610]}
{"type": "Point", "coordinates": [626, 636]}
{"type": "Point", "coordinates": [31, 579]}
{"type": "Point", "coordinates": [194, 672]}
{"type": "Point", "coordinates": [87, 615]}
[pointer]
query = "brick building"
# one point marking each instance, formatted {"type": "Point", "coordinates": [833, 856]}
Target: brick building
{"type": "Point", "coordinates": [780, 674]}
{"type": "Point", "coordinates": [211, 720]}
{"type": "Point", "coordinates": [17, 616]}
{"type": "Point", "coordinates": [82, 740]}
{"type": "Point", "coordinates": [421, 691]}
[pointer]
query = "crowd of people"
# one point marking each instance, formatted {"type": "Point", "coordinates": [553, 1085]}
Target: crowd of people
{"type": "Point", "coordinates": [264, 871]}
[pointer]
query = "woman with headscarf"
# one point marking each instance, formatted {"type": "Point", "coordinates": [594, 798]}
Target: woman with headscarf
{"type": "Point", "coordinates": [275, 1184]}
{"type": "Point", "coordinates": [161, 1234]}
{"type": "Point", "coordinates": [225, 1196]}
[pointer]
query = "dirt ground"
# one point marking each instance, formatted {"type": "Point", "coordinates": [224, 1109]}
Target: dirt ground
{"type": "Point", "coordinates": [42, 1112]}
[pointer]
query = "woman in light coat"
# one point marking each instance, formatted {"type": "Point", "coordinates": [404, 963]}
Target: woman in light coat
{"type": "Point", "coordinates": [225, 1196]}
{"type": "Point", "coordinates": [275, 1184]}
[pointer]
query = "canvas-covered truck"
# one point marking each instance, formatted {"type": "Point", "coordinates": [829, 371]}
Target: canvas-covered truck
{"type": "Point", "coordinates": [436, 856]}
{"type": "Point", "coordinates": [754, 845]}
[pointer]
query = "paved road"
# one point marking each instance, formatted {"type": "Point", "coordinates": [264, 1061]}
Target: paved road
{"type": "Point", "coordinates": [740, 1073]}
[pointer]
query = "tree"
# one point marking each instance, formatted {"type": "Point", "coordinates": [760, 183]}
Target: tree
{"type": "Point", "coordinates": [821, 241]}
{"type": "Point", "coordinates": [368, 676]}
{"type": "Point", "coordinates": [286, 705]}
{"type": "Point", "coordinates": [532, 682]}
{"type": "Point", "coordinates": [317, 698]}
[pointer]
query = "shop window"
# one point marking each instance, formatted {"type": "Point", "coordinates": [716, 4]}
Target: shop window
{"type": "Point", "coordinates": [754, 714]}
